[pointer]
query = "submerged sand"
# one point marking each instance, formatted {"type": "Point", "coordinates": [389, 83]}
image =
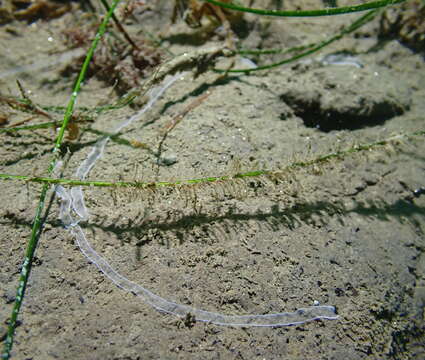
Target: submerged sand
{"type": "Point", "coordinates": [348, 233]}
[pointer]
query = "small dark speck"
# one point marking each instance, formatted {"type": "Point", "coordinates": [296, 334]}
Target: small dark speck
{"type": "Point", "coordinates": [339, 292]}
{"type": "Point", "coordinates": [333, 261]}
{"type": "Point", "coordinates": [81, 299]}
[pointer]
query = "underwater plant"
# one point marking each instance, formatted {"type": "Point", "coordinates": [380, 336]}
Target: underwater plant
{"type": "Point", "coordinates": [162, 76]}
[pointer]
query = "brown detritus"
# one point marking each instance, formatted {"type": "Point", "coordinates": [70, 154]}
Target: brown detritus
{"type": "Point", "coordinates": [139, 144]}
{"type": "Point", "coordinates": [179, 117]}
{"type": "Point", "coordinates": [32, 10]}
{"type": "Point", "coordinates": [115, 61]}
{"type": "Point", "coordinates": [73, 130]}
{"type": "Point", "coordinates": [74, 125]}
{"type": "Point", "coordinates": [120, 27]}
{"type": "Point", "coordinates": [176, 120]}
{"type": "Point", "coordinates": [24, 106]}
{"type": "Point", "coordinates": [30, 105]}
{"type": "Point", "coordinates": [81, 34]}
{"type": "Point", "coordinates": [133, 7]}
{"type": "Point", "coordinates": [123, 64]}
{"type": "Point", "coordinates": [22, 122]}
{"type": "Point", "coordinates": [406, 23]}
{"type": "Point", "coordinates": [4, 119]}
{"type": "Point", "coordinates": [137, 65]}
{"type": "Point", "coordinates": [128, 65]}
{"type": "Point", "coordinates": [193, 11]}
{"type": "Point", "coordinates": [6, 16]}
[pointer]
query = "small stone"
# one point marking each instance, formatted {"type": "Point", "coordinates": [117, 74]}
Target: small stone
{"type": "Point", "coordinates": [168, 160]}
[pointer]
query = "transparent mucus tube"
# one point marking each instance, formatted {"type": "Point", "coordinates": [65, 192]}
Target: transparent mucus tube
{"type": "Point", "coordinates": [75, 200]}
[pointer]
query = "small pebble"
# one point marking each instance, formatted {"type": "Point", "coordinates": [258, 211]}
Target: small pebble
{"type": "Point", "coordinates": [168, 160]}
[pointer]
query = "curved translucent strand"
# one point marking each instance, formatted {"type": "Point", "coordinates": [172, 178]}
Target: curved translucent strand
{"type": "Point", "coordinates": [300, 316]}
{"type": "Point", "coordinates": [76, 199]}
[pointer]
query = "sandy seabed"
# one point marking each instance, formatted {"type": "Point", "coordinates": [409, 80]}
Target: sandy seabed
{"type": "Point", "coordinates": [348, 233]}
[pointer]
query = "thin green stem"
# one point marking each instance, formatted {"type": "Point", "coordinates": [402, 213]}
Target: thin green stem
{"type": "Point", "coordinates": [274, 51]}
{"type": "Point", "coordinates": [311, 48]}
{"type": "Point", "coordinates": [117, 138]}
{"type": "Point", "coordinates": [44, 125]}
{"type": "Point", "coordinates": [37, 224]}
{"type": "Point", "coordinates": [212, 179]}
{"type": "Point", "coordinates": [308, 13]}
{"type": "Point", "coordinates": [98, 110]}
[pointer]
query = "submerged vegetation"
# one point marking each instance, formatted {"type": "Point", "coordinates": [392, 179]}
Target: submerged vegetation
{"type": "Point", "coordinates": [135, 66]}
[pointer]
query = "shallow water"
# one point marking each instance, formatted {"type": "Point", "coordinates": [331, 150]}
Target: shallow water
{"type": "Point", "coordinates": [348, 233]}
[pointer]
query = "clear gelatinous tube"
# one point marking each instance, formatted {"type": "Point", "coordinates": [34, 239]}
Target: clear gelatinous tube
{"type": "Point", "coordinates": [75, 199]}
